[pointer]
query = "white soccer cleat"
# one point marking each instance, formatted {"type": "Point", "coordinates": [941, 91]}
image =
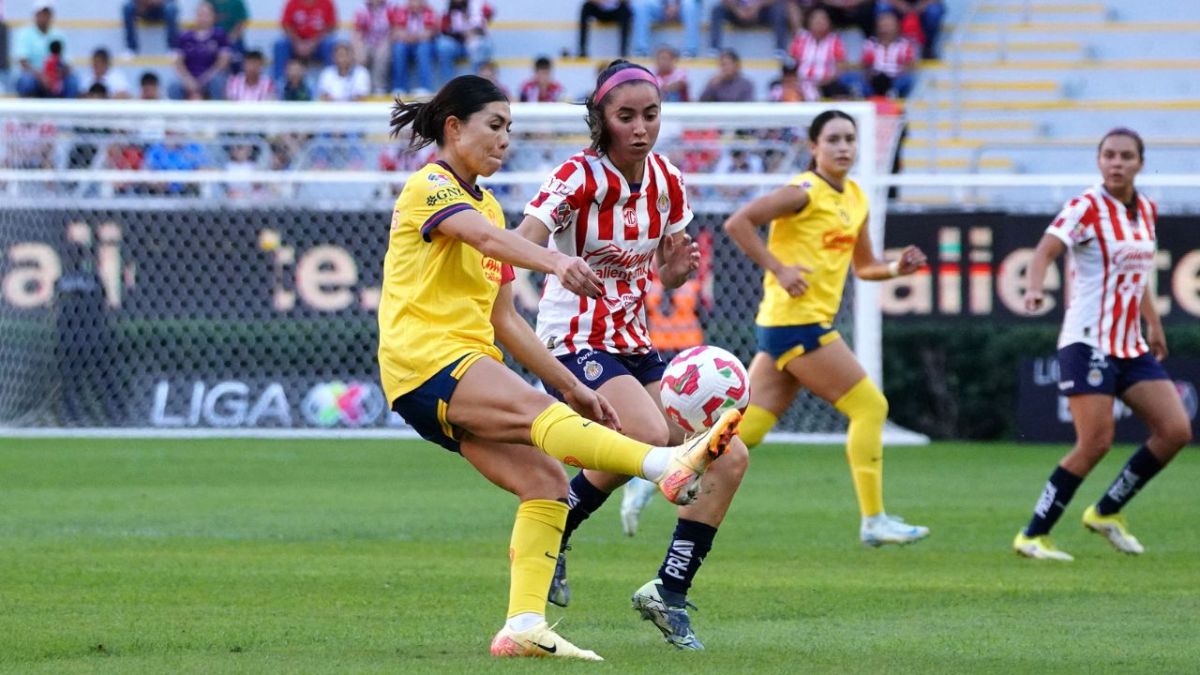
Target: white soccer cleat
{"type": "Point", "coordinates": [681, 481]}
{"type": "Point", "coordinates": [1114, 529]}
{"type": "Point", "coordinates": [539, 641]}
{"type": "Point", "coordinates": [636, 496]}
{"type": "Point", "coordinates": [1039, 548]}
{"type": "Point", "coordinates": [673, 622]}
{"type": "Point", "coordinates": [883, 529]}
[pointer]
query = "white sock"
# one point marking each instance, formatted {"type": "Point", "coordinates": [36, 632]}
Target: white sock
{"type": "Point", "coordinates": [524, 621]}
{"type": "Point", "coordinates": [656, 463]}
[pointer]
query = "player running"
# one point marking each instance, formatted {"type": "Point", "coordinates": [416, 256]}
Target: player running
{"type": "Point", "coordinates": [446, 302]}
{"type": "Point", "coordinates": [623, 209]}
{"type": "Point", "coordinates": [1109, 231]}
{"type": "Point", "coordinates": [818, 229]}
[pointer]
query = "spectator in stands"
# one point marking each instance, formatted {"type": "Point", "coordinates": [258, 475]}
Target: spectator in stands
{"type": "Point", "coordinates": [201, 59]}
{"type": "Point", "coordinates": [542, 87]}
{"type": "Point", "coordinates": [646, 13]}
{"type": "Point", "coordinates": [738, 161]}
{"type": "Point", "coordinates": [54, 70]}
{"type": "Point", "coordinates": [747, 13]}
{"type": "Point", "coordinates": [820, 58]}
{"type": "Point", "coordinates": [31, 48]}
{"type": "Point", "coordinates": [231, 18]}
{"type": "Point", "coordinates": [3, 48]}
{"type": "Point", "coordinates": [416, 30]}
{"type": "Point", "coordinates": [858, 14]}
{"type": "Point", "coordinates": [115, 83]}
{"type": "Point", "coordinates": [97, 90]}
{"type": "Point", "coordinates": [172, 154]}
{"type": "Point", "coordinates": [604, 11]}
{"type": "Point", "coordinates": [887, 60]}
{"type": "Point", "coordinates": [345, 80]}
{"type": "Point", "coordinates": [251, 84]}
{"type": "Point", "coordinates": [672, 80]}
{"type": "Point", "coordinates": [164, 11]}
{"type": "Point", "coordinates": [729, 85]}
{"type": "Point", "coordinates": [372, 42]}
{"type": "Point", "coordinates": [295, 85]}
{"type": "Point", "coordinates": [464, 35]}
{"type": "Point", "coordinates": [148, 87]}
{"type": "Point", "coordinates": [489, 72]}
{"type": "Point", "coordinates": [925, 15]}
{"type": "Point", "coordinates": [308, 33]}
{"type": "Point", "coordinates": [787, 89]}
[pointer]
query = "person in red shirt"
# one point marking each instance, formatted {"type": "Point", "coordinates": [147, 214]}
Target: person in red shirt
{"type": "Point", "coordinates": [308, 33]}
{"type": "Point", "coordinates": [542, 87]}
{"type": "Point", "coordinates": [887, 59]}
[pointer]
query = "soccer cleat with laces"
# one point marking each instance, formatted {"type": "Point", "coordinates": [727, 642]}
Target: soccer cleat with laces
{"type": "Point", "coordinates": [636, 496]}
{"type": "Point", "coordinates": [674, 622]}
{"type": "Point", "coordinates": [884, 529]}
{"type": "Point", "coordinates": [1039, 548]}
{"type": "Point", "coordinates": [539, 641]}
{"type": "Point", "coordinates": [681, 481]}
{"type": "Point", "coordinates": [560, 590]}
{"type": "Point", "coordinates": [1114, 529]}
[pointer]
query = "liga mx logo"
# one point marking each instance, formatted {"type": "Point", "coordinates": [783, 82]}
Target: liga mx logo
{"type": "Point", "coordinates": [352, 404]}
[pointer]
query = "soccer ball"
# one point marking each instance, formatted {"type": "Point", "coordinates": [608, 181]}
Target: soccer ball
{"type": "Point", "coordinates": [700, 384]}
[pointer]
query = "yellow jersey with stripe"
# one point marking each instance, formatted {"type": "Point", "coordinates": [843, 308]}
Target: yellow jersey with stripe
{"type": "Point", "coordinates": [436, 302]}
{"type": "Point", "coordinates": [822, 236]}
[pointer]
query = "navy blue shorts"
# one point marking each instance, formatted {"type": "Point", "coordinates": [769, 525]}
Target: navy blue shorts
{"type": "Point", "coordinates": [1083, 369]}
{"type": "Point", "coordinates": [424, 408]}
{"type": "Point", "coordinates": [594, 368]}
{"type": "Point", "coordinates": [784, 343]}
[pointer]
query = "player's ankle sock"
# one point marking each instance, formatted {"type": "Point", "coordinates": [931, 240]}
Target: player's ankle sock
{"type": "Point", "coordinates": [533, 551]}
{"type": "Point", "coordinates": [867, 409]}
{"type": "Point", "coordinates": [755, 424]}
{"type": "Point", "coordinates": [524, 621]}
{"type": "Point", "coordinates": [690, 544]}
{"type": "Point", "coordinates": [583, 498]}
{"type": "Point", "coordinates": [1141, 467]}
{"type": "Point", "coordinates": [1055, 497]}
{"type": "Point", "coordinates": [566, 436]}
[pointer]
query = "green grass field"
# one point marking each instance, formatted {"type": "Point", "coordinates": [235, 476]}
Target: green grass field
{"type": "Point", "coordinates": [370, 556]}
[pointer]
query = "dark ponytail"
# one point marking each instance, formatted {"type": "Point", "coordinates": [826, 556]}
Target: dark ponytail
{"type": "Point", "coordinates": [461, 97]}
{"type": "Point", "coordinates": [818, 124]}
{"type": "Point", "coordinates": [595, 108]}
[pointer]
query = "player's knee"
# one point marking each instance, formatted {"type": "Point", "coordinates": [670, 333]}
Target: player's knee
{"type": "Point", "coordinates": [544, 480]}
{"type": "Point", "coordinates": [1175, 434]}
{"type": "Point", "coordinates": [735, 462]}
{"type": "Point", "coordinates": [650, 429]}
{"type": "Point", "coordinates": [864, 403]}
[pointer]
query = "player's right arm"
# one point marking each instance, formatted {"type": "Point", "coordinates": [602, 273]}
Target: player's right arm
{"type": "Point", "coordinates": [470, 227]}
{"type": "Point", "coordinates": [1048, 250]}
{"type": "Point", "coordinates": [743, 226]}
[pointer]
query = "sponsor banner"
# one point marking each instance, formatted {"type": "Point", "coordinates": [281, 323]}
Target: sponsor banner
{"type": "Point", "coordinates": [978, 261]}
{"type": "Point", "coordinates": [1043, 414]}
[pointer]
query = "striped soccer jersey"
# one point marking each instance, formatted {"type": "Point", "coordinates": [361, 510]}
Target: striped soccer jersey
{"type": "Point", "coordinates": [816, 59]}
{"type": "Point", "coordinates": [592, 213]}
{"type": "Point", "coordinates": [891, 59]}
{"type": "Point", "coordinates": [1111, 261]}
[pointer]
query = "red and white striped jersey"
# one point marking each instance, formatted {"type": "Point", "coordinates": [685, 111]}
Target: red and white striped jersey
{"type": "Point", "coordinates": [892, 59]}
{"type": "Point", "coordinates": [816, 59]}
{"type": "Point", "coordinates": [593, 213]}
{"type": "Point", "coordinates": [1110, 263]}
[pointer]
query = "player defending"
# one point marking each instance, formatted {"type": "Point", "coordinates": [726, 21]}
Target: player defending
{"type": "Point", "coordinates": [623, 209]}
{"type": "Point", "coordinates": [1109, 231]}
{"type": "Point", "coordinates": [445, 303]}
{"type": "Point", "coordinates": [818, 229]}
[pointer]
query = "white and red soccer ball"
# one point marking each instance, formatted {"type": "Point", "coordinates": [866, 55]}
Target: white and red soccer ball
{"type": "Point", "coordinates": [700, 384]}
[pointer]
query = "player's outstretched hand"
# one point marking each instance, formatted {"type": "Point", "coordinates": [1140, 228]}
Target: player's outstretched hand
{"type": "Point", "coordinates": [1034, 299]}
{"type": "Point", "coordinates": [791, 278]}
{"type": "Point", "coordinates": [577, 276]}
{"type": "Point", "coordinates": [681, 256]}
{"type": "Point", "coordinates": [592, 405]}
{"type": "Point", "coordinates": [911, 260]}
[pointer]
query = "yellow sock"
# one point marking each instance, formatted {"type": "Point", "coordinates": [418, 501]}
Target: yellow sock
{"type": "Point", "coordinates": [755, 424]}
{"type": "Point", "coordinates": [566, 436]}
{"type": "Point", "coordinates": [867, 409]}
{"type": "Point", "coordinates": [533, 551]}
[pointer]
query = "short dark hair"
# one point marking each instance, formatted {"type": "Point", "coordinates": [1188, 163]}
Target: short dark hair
{"type": "Point", "coordinates": [149, 77]}
{"type": "Point", "coordinates": [254, 54]}
{"type": "Point", "coordinates": [542, 63]}
{"type": "Point", "coordinates": [101, 52]}
{"type": "Point", "coordinates": [461, 97]}
{"type": "Point", "coordinates": [1129, 133]}
{"type": "Point", "coordinates": [595, 109]}
{"type": "Point", "coordinates": [98, 89]}
{"type": "Point", "coordinates": [732, 54]}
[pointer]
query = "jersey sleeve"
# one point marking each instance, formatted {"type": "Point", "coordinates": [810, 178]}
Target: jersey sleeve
{"type": "Point", "coordinates": [1072, 226]}
{"type": "Point", "coordinates": [558, 199]}
{"type": "Point", "coordinates": [430, 199]}
{"type": "Point", "coordinates": [680, 213]}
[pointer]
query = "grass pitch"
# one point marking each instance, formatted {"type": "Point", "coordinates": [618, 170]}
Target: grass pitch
{"type": "Point", "coordinates": [370, 556]}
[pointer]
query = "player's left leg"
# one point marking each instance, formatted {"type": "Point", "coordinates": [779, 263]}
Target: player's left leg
{"type": "Point", "coordinates": [1157, 403]}
{"type": "Point", "coordinates": [540, 483]}
{"type": "Point", "coordinates": [833, 373]}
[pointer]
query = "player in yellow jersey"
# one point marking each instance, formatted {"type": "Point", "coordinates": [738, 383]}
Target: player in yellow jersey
{"type": "Point", "coordinates": [818, 230]}
{"type": "Point", "coordinates": [444, 305]}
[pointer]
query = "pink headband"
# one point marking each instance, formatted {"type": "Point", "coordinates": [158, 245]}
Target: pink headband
{"type": "Point", "coordinates": [627, 75]}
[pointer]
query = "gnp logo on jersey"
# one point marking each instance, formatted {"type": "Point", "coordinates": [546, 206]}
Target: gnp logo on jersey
{"type": "Point", "coordinates": [592, 370]}
{"type": "Point", "coordinates": [353, 404]}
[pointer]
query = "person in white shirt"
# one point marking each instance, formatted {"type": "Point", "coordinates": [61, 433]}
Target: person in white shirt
{"type": "Point", "coordinates": [251, 84]}
{"type": "Point", "coordinates": [102, 72]}
{"type": "Point", "coordinates": [344, 80]}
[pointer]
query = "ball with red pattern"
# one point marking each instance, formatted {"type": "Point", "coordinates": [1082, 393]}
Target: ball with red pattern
{"type": "Point", "coordinates": [700, 384]}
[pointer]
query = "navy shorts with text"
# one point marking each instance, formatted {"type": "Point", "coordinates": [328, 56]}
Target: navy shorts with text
{"type": "Point", "coordinates": [594, 368]}
{"type": "Point", "coordinates": [1083, 369]}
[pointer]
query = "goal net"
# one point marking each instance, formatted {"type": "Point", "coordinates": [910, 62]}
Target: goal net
{"type": "Point", "coordinates": [215, 268]}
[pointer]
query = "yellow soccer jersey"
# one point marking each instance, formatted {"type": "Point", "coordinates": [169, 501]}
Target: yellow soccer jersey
{"type": "Point", "coordinates": [822, 236]}
{"type": "Point", "coordinates": [438, 292]}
